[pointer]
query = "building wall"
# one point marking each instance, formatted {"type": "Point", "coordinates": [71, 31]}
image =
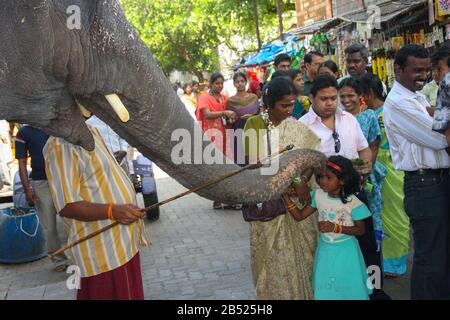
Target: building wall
{"type": "Point", "coordinates": [309, 11]}
{"type": "Point", "coordinates": [346, 6]}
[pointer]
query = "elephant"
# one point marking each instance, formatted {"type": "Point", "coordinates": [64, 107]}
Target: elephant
{"type": "Point", "coordinates": [50, 67]}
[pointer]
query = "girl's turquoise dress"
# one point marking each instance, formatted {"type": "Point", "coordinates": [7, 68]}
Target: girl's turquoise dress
{"type": "Point", "coordinates": [339, 268]}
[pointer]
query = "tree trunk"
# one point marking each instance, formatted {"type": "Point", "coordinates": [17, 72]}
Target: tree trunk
{"type": "Point", "coordinates": [280, 19]}
{"type": "Point", "coordinates": [258, 34]}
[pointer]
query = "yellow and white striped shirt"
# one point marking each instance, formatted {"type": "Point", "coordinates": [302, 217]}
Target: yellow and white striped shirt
{"type": "Point", "coordinates": [74, 175]}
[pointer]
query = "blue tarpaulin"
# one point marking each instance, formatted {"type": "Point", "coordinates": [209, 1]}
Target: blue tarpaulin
{"type": "Point", "coordinates": [269, 51]}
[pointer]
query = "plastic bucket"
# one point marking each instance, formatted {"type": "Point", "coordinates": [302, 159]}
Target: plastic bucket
{"type": "Point", "coordinates": [21, 236]}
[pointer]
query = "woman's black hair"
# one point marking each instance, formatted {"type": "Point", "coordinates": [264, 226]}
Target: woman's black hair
{"type": "Point", "coordinates": [216, 76]}
{"type": "Point", "coordinates": [295, 73]}
{"type": "Point", "coordinates": [277, 89]}
{"type": "Point", "coordinates": [372, 83]}
{"type": "Point", "coordinates": [330, 65]}
{"type": "Point", "coordinates": [238, 75]}
{"type": "Point", "coordinates": [323, 81]}
{"type": "Point", "coordinates": [352, 83]}
{"type": "Point", "coordinates": [281, 74]}
{"type": "Point", "coordinates": [351, 178]}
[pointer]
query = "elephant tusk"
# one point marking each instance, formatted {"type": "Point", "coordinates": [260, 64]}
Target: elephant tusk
{"type": "Point", "coordinates": [85, 112]}
{"type": "Point", "coordinates": [118, 107]}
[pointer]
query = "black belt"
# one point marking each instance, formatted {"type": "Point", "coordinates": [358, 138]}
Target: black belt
{"type": "Point", "coordinates": [432, 172]}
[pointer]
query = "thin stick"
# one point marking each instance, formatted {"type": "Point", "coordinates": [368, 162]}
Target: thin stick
{"type": "Point", "coordinates": [156, 205]}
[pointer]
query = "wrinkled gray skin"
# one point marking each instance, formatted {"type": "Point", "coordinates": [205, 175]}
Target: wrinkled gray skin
{"type": "Point", "coordinates": [45, 68]}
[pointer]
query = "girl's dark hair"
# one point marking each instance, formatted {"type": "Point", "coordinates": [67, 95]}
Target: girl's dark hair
{"type": "Point", "coordinates": [371, 83]}
{"type": "Point", "coordinates": [277, 89]}
{"type": "Point", "coordinates": [351, 178]}
{"type": "Point", "coordinates": [352, 83]}
{"type": "Point", "coordinates": [216, 76]}
{"type": "Point", "coordinates": [330, 65]}
{"type": "Point", "coordinates": [238, 75]}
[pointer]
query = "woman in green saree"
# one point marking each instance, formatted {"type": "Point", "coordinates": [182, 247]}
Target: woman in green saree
{"type": "Point", "coordinates": [282, 249]}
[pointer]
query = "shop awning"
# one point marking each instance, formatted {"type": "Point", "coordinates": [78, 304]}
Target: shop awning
{"type": "Point", "coordinates": [271, 50]}
{"type": "Point", "coordinates": [323, 25]}
{"type": "Point", "coordinates": [389, 10]}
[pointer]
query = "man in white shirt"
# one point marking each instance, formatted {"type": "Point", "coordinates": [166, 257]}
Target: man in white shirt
{"type": "Point", "coordinates": [421, 153]}
{"type": "Point", "coordinates": [341, 134]}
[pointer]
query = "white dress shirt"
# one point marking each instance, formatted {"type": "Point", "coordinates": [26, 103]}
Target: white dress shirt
{"type": "Point", "coordinates": [413, 143]}
{"type": "Point", "coordinates": [350, 134]}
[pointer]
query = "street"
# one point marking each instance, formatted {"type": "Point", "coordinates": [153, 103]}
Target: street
{"type": "Point", "coordinates": [196, 253]}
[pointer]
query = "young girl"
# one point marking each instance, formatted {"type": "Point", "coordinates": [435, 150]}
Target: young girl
{"type": "Point", "coordinates": [339, 269]}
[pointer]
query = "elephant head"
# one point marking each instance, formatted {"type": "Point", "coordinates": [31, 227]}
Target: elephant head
{"type": "Point", "coordinates": [48, 67]}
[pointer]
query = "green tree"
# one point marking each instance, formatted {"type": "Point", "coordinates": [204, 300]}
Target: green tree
{"type": "Point", "coordinates": [184, 35]}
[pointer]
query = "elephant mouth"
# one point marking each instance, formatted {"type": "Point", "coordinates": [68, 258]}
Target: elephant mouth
{"type": "Point", "coordinates": [116, 104]}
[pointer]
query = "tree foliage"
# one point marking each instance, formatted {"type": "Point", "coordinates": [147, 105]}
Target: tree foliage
{"type": "Point", "coordinates": [184, 34]}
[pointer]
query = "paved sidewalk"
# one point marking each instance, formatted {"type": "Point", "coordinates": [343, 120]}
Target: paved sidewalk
{"type": "Point", "coordinates": [197, 253]}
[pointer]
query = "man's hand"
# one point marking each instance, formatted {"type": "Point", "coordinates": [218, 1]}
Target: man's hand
{"type": "Point", "coordinates": [304, 193]}
{"type": "Point", "coordinates": [31, 197]}
{"type": "Point", "coordinates": [326, 226]}
{"type": "Point", "coordinates": [431, 111]}
{"type": "Point", "coordinates": [119, 155]}
{"type": "Point", "coordinates": [127, 213]}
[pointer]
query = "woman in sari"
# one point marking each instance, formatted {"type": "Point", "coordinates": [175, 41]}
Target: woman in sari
{"type": "Point", "coordinates": [350, 95]}
{"type": "Point", "coordinates": [282, 249]}
{"type": "Point", "coordinates": [244, 105]}
{"type": "Point", "coordinates": [395, 221]}
{"type": "Point", "coordinates": [212, 116]}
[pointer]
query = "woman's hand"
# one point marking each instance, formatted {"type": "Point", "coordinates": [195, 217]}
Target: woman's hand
{"type": "Point", "coordinates": [230, 115]}
{"type": "Point", "coordinates": [326, 226]}
{"type": "Point", "coordinates": [303, 193]}
{"type": "Point", "coordinates": [127, 213]}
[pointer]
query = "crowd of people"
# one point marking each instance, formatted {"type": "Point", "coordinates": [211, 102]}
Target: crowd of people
{"type": "Point", "coordinates": [332, 233]}
{"type": "Point", "coordinates": [402, 135]}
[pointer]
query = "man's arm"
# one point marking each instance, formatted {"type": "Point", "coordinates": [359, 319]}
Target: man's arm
{"type": "Point", "coordinates": [23, 173]}
{"type": "Point", "coordinates": [88, 211]}
{"type": "Point", "coordinates": [366, 154]}
{"type": "Point", "coordinates": [416, 127]}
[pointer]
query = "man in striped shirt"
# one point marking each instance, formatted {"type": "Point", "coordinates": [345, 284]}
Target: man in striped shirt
{"type": "Point", "coordinates": [90, 190]}
{"type": "Point", "coordinates": [421, 153]}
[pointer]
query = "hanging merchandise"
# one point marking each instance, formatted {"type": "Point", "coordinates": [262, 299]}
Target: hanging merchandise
{"type": "Point", "coordinates": [390, 57]}
{"type": "Point", "coordinates": [443, 9]}
{"type": "Point", "coordinates": [398, 43]}
{"type": "Point", "coordinates": [374, 63]}
{"type": "Point", "coordinates": [297, 59]}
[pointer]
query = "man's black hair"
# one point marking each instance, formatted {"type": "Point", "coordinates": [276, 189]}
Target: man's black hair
{"type": "Point", "coordinates": [281, 58]}
{"type": "Point", "coordinates": [410, 50]}
{"type": "Point", "coordinates": [358, 48]}
{"type": "Point", "coordinates": [323, 81]}
{"type": "Point", "coordinates": [308, 57]}
{"type": "Point", "coordinates": [441, 54]}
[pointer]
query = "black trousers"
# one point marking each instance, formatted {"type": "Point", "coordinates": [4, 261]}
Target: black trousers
{"type": "Point", "coordinates": [368, 245]}
{"type": "Point", "coordinates": [427, 203]}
